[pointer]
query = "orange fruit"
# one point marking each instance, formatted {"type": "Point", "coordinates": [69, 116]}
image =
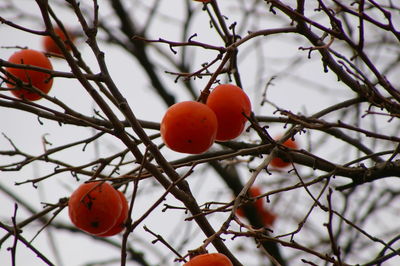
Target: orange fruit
{"type": "Point", "coordinates": [51, 47]}
{"type": "Point", "coordinates": [280, 163]}
{"type": "Point", "coordinates": [189, 127]}
{"type": "Point", "coordinates": [231, 106]}
{"type": "Point", "coordinates": [120, 223]}
{"type": "Point", "coordinates": [212, 259]}
{"type": "Point", "coordinates": [259, 204]}
{"type": "Point", "coordinates": [40, 80]}
{"type": "Point", "coordinates": [95, 207]}
{"type": "Point", "coordinates": [268, 217]}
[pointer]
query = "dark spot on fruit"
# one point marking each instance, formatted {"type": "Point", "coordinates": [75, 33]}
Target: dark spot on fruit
{"type": "Point", "coordinates": [95, 224]}
{"type": "Point", "coordinates": [89, 204]}
{"type": "Point", "coordinates": [88, 201]}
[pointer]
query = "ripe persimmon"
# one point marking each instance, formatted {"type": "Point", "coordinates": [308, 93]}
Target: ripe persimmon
{"type": "Point", "coordinates": [231, 105]}
{"type": "Point", "coordinates": [280, 163]}
{"type": "Point", "coordinates": [268, 217]}
{"type": "Point", "coordinates": [254, 191]}
{"type": "Point", "coordinates": [95, 207]}
{"type": "Point", "coordinates": [211, 259]}
{"type": "Point", "coordinates": [120, 223]}
{"type": "Point", "coordinates": [49, 44]}
{"type": "Point", "coordinates": [189, 127]}
{"type": "Point", "coordinates": [40, 80]}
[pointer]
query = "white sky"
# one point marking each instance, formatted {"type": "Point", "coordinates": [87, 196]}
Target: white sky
{"type": "Point", "coordinates": [307, 89]}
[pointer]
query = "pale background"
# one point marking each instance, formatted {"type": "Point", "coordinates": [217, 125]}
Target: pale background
{"type": "Point", "coordinates": [304, 89]}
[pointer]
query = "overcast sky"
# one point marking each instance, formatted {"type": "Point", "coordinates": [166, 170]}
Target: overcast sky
{"type": "Point", "coordinates": [296, 90]}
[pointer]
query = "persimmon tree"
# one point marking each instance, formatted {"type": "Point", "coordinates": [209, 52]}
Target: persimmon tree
{"type": "Point", "coordinates": [323, 73]}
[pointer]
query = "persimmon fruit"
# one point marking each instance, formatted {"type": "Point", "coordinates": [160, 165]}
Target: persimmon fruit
{"type": "Point", "coordinates": [211, 259]}
{"type": "Point", "coordinates": [50, 46]}
{"type": "Point", "coordinates": [280, 163]}
{"type": "Point", "coordinates": [40, 80]}
{"type": "Point", "coordinates": [267, 216]}
{"type": "Point", "coordinates": [231, 105]}
{"type": "Point", "coordinates": [120, 223]}
{"type": "Point", "coordinates": [254, 191]}
{"type": "Point", "coordinates": [189, 127]}
{"type": "Point", "coordinates": [95, 207]}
